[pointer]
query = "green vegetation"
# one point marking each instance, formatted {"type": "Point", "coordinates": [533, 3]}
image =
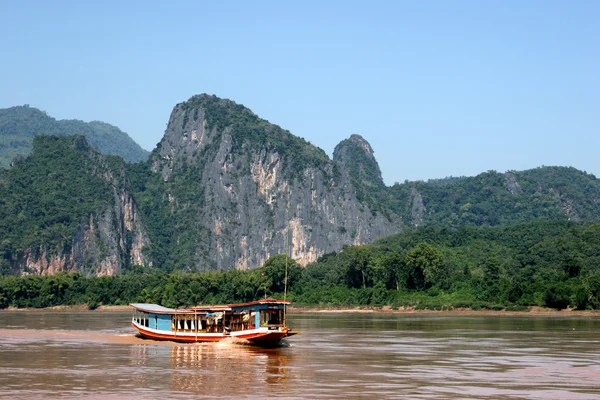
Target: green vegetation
{"type": "Point", "coordinates": [175, 231]}
{"type": "Point", "coordinates": [364, 174]}
{"type": "Point", "coordinates": [46, 198]}
{"type": "Point", "coordinates": [249, 132]}
{"type": "Point", "coordinates": [492, 198]}
{"type": "Point", "coordinates": [19, 125]}
{"type": "Point", "coordinates": [476, 244]}
{"type": "Point", "coordinates": [552, 264]}
{"type": "Point", "coordinates": [489, 199]}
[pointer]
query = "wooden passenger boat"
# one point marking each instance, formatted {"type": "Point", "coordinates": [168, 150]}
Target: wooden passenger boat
{"type": "Point", "coordinates": [260, 322]}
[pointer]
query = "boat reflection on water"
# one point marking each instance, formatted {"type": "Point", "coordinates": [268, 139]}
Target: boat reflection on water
{"type": "Point", "coordinates": [226, 368]}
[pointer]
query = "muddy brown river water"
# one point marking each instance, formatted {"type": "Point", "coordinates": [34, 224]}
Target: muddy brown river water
{"type": "Point", "coordinates": [336, 356]}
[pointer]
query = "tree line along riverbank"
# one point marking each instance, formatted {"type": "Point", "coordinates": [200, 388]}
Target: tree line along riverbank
{"type": "Point", "coordinates": [542, 264]}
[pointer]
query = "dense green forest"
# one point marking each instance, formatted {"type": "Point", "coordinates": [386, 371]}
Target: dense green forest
{"type": "Point", "coordinates": [19, 125]}
{"type": "Point", "coordinates": [492, 198]}
{"type": "Point", "coordinates": [542, 263]}
{"type": "Point", "coordinates": [45, 198]}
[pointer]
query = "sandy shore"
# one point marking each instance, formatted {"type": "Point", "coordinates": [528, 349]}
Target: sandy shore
{"type": "Point", "coordinates": [533, 311]}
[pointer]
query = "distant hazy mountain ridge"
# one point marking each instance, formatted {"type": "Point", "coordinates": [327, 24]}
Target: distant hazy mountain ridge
{"type": "Point", "coordinates": [19, 125]}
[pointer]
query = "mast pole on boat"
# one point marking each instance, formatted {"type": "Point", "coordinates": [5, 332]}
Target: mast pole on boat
{"type": "Point", "coordinates": [287, 250]}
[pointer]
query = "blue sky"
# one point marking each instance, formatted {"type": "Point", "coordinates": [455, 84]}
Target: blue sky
{"type": "Point", "coordinates": [439, 88]}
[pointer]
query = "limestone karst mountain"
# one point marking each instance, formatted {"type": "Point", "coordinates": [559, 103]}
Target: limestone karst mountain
{"type": "Point", "coordinates": [237, 183]}
{"type": "Point", "coordinates": [226, 189]}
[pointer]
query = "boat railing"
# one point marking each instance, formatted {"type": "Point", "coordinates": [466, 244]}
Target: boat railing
{"type": "Point", "coordinates": [241, 326]}
{"type": "Point", "coordinates": [199, 324]}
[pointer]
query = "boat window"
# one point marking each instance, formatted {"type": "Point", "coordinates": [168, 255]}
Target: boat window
{"type": "Point", "coordinates": [271, 317]}
{"type": "Point", "coordinates": [252, 319]}
{"type": "Point", "coordinates": [141, 318]}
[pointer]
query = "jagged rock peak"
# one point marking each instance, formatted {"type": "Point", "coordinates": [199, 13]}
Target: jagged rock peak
{"type": "Point", "coordinates": [356, 156]}
{"type": "Point", "coordinates": [205, 125]}
{"type": "Point", "coordinates": [359, 140]}
{"type": "Point", "coordinates": [205, 98]}
{"type": "Point", "coordinates": [247, 183]}
{"type": "Point", "coordinates": [208, 111]}
{"type": "Point", "coordinates": [354, 141]}
{"type": "Point", "coordinates": [212, 103]}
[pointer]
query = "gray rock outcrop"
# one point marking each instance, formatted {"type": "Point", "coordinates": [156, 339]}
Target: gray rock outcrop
{"type": "Point", "coordinates": [257, 186]}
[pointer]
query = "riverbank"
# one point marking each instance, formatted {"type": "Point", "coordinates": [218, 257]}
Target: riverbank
{"type": "Point", "coordinates": [70, 308]}
{"type": "Point", "coordinates": [532, 311]}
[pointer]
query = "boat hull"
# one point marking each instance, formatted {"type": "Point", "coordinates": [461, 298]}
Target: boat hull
{"type": "Point", "coordinates": [257, 336]}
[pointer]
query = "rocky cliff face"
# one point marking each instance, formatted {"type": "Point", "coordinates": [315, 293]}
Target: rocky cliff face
{"type": "Point", "coordinates": [110, 240]}
{"type": "Point", "coordinates": [259, 182]}
{"type": "Point", "coordinates": [82, 196]}
{"type": "Point", "coordinates": [355, 158]}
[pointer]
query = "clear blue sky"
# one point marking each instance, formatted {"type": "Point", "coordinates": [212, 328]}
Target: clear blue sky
{"type": "Point", "coordinates": [439, 88]}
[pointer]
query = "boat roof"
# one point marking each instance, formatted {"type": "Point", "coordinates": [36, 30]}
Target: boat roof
{"type": "Point", "coordinates": [155, 308]}
{"type": "Point", "coordinates": [258, 302]}
{"type": "Point", "coordinates": [210, 308]}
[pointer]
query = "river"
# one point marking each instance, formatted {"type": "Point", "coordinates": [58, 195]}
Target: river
{"type": "Point", "coordinates": [336, 356]}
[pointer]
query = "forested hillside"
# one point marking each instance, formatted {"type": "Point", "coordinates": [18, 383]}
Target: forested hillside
{"type": "Point", "coordinates": [19, 125]}
{"type": "Point", "coordinates": [493, 198]}
{"type": "Point", "coordinates": [543, 263]}
{"type": "Point", "coordinates": [225, 189]}
{"type": "Point", "coordinates": [66, 208]}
